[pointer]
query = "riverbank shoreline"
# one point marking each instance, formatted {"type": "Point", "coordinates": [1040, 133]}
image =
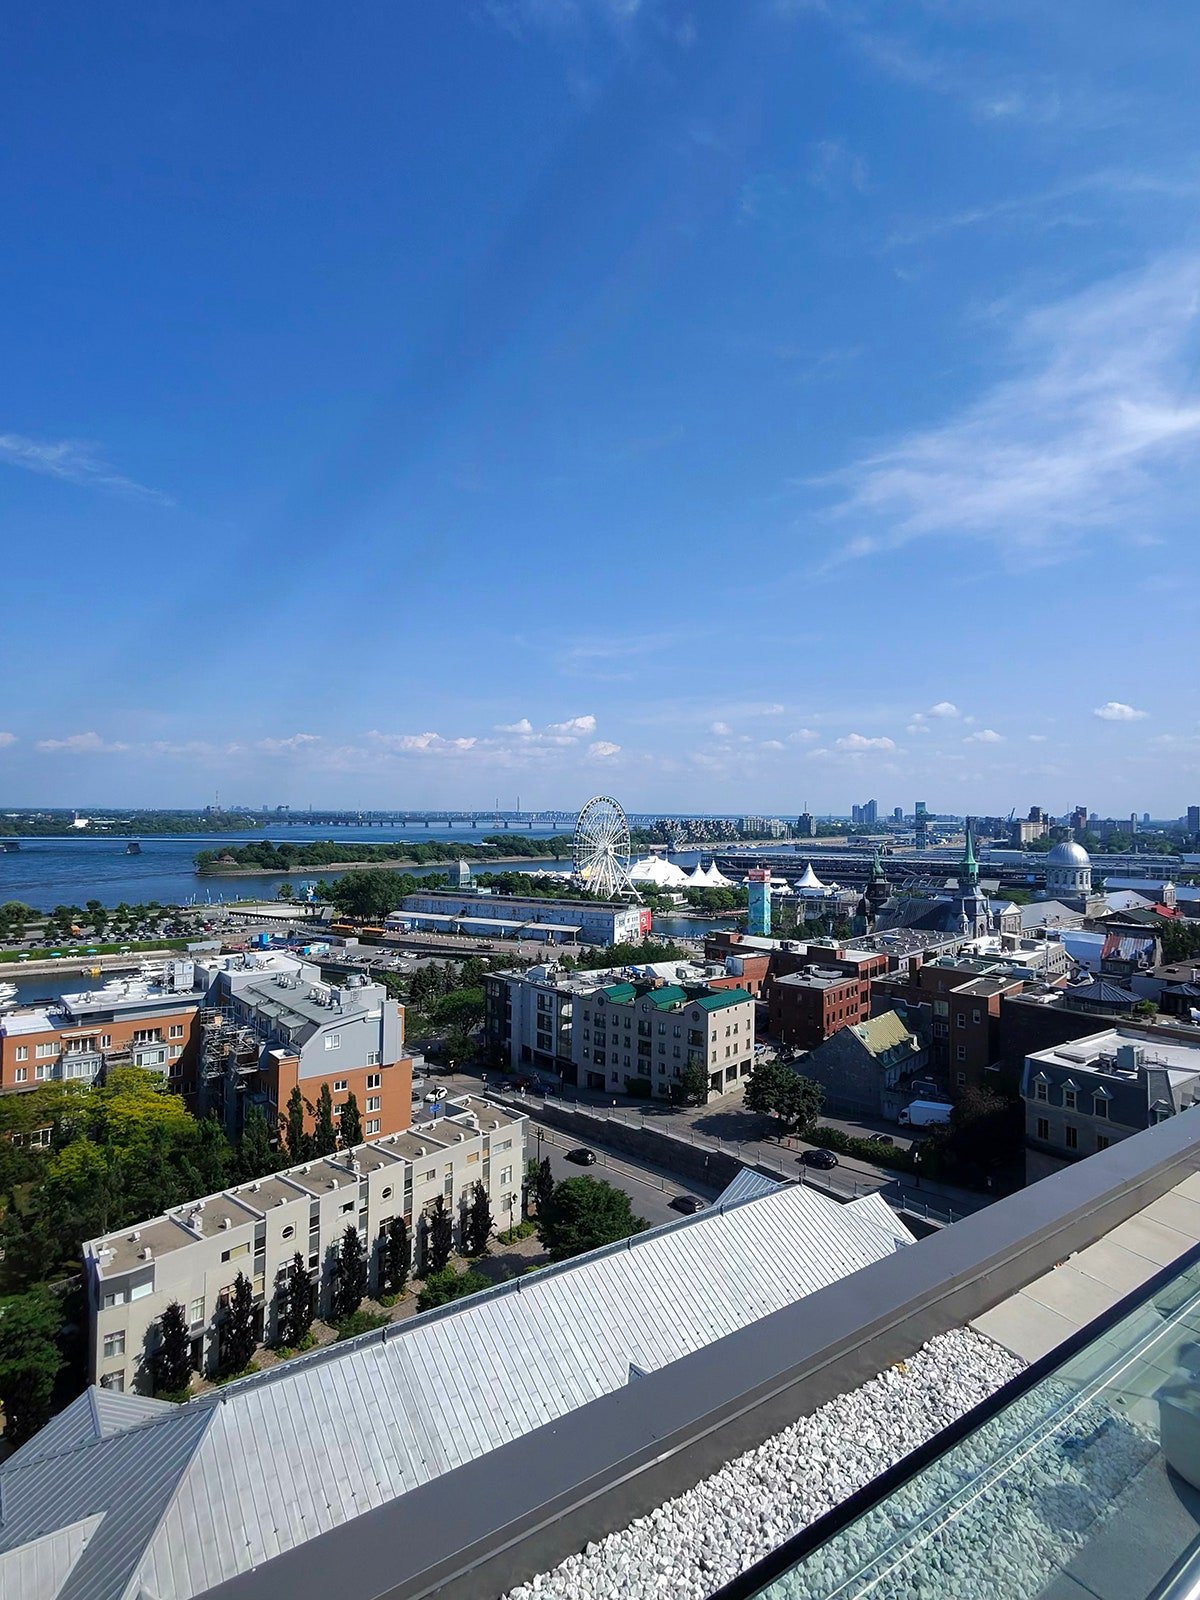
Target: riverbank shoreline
{"type": "Point", "coordinates": [402, 863]}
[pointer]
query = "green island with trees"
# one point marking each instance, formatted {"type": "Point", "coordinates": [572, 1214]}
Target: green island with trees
{"type": "Point", "coordinates": [264, 856]}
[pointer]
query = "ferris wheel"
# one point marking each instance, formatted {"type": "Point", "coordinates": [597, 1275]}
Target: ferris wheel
{"type": "Point", "coordinates": [600, 854]}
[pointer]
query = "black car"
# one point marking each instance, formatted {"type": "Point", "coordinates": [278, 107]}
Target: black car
{"type": "Point", "coordinates": [689, 1204]}
{"type": "Point", "coordinates": [819, 1158]}
{"type": "Point", "coordinates": [582, 1156]}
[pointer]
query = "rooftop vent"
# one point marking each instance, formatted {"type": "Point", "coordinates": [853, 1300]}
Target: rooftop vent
{"type": "Point", "coordinates": [146, 1254]}
{"type": "Point", "coordinates": [135, 1235]}
{"type": "Point", "coordinates": [226, 1224]}
{"type": "Point", "coordinates": [256, 1185]}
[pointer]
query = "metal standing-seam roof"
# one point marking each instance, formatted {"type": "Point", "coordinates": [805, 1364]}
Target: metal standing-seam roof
{"type": "Point", "coordinates": [229, 1481]}
{"type": "Point", "coordinates": [747, 1185]}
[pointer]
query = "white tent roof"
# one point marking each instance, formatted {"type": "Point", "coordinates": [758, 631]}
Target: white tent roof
{"type": "Point", "coordinates": [660, 873]}
{"type": "Point", "coordinates": [808, 879]}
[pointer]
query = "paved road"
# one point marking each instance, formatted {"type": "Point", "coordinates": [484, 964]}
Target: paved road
{"type": "Point", "coordinates": [650, 1189]}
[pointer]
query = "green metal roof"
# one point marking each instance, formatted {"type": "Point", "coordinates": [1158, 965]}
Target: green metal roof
{"type": "Point", "coordinates": [723, 998]}
{"type": "Point", "coordinates": [619, 991]}
{"type": "Point", "coordinates": [668, 996]}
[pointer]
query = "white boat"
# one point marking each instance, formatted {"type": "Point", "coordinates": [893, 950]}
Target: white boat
{"type": "Point", "coordinates": [8, 994]}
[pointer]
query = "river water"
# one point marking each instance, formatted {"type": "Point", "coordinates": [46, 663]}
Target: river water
{"type": "Point", "coordinates": [45, 873]}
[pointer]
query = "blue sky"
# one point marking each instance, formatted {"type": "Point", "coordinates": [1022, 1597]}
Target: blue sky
{"type": "Point", "coordinates": [722, 405]}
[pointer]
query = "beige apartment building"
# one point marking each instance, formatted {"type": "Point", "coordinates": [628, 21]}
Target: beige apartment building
{"type": "Point", "coordinates": [192, 1255]}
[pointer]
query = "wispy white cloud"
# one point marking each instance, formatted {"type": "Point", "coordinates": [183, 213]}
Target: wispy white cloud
{"type": "Point", "coordinates": [603, 750]}
{"type": "Point", "coordinates": [81, 744]}
{"type": "Point", "coordinates": [802, 735]}
{"type": "Point", "coordinates": [1100, 418]}
{"type": "Point", "coordinates": [1118, 711]}
{"type": "Point", "coordinates": [858, 741]}
{"type": "Point", "coordinates": [523, 726]}
{"type": "Point", "coordinates": [76, 461]}
{"type": "Point", "coordinates": [984, 736]}
{"type": "Point", "coordinates": [834, 168]}
{"type": "Point", "coordinates": [573, 726]}
{"type": "Point", "coordinates": [6, 739]}
{"type": "Point", "coordinates": [944, 708]}
{"type": "Point", "coordinates": [288, 746]}
{"type": "Point", "coordinates": [721, 729]}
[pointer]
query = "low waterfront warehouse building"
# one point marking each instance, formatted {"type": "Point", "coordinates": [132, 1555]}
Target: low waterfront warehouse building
{"type": "Point", "coordinates": [510, 916]}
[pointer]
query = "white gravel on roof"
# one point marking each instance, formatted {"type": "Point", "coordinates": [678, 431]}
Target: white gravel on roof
{"type": "Point", "coordinates": [692, 1545]}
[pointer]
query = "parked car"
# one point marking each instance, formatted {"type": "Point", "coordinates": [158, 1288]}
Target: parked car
{"type": "Point", "coordinates": [819, 1158]}
{"type": "Point", "coordinates": [689, 1204]}
{"type": "Point", "coordinates": [582, 1156]}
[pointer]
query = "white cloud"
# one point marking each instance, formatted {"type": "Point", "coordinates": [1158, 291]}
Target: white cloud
{"type": "Point", "coordinates": [523, 726]}
{"type": "Point", "coordinates": [1100, 416]}
{"type": "Point", "coordinates": [420, 743]}
{"type": "Point", "coordinates": [984, 736]}
{"type": "Point", "coordinates": [602, 750]}
{"type": "Point", "coordinates": [1037, 738]}
{"type": "Point", "coordinates": [6, 739]}
{"type": "Point", "coordinates": [917, 727]}
{"type": "Point", "coordinates": [944, 708]}
{"type": "Point", "coordinates": [573, 726]}
{"type": "Point", "coordinates": [721, 729]}
{"type": "Point", "coordinates": [858, 741]}
{"type": "Point", "coordinates": [1117, 711]}
{"type": "Point", "coordinates": [81, 744]}
{"type": "Point", "coordinates": [801, 735]}
{"type": "Point", "coordinates": [75, 461]}
{"type": "Point", "coordinates": [774, 744]}
{"type": "Point", "coordinates": [296, 741]}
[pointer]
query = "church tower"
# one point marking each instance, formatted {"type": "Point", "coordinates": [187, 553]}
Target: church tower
{"type": "Point", "coordinates": [975, 917]}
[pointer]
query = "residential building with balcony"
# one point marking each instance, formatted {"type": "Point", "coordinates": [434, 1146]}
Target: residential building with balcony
{"type": "Point", "coordinates": [144, 1021]}
{"type": "Point", "coordinates": [641, 1036]}
{"type": "Point", "coordinates": [193, 1254]}
{"type": "Point", "coordinates": [269, 1024]}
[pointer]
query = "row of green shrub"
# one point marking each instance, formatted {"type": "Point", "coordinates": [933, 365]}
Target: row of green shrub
{"type": "Point", "coordinates": [874, 1150]}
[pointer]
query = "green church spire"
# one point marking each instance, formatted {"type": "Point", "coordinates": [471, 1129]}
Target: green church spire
{"type": "Point", "coordinates": [969, 871]}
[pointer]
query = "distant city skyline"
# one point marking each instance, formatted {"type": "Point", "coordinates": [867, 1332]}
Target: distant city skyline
{"type": "Point", "coordinates": [737, 405]}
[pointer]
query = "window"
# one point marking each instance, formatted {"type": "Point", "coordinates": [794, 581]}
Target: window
{"type": "Point", "coordinates": [339, 1084]}
{"type": "Point", "coordinates": [333, 1041]}
{"type": "Point", "coordinates": [141, 1290]}
{"type": "Point", "coordinates": [387, 1193]}
{"type": "Point", "coordinates": [235, 1251]}
{"type": "Point", "coordinates": [960, 1018]}
{"type": "Point", "coordinates": [22, 1052]}
{"type": "Point", "coordinates": [21, 1074]}
{"type": "Point", "coordinates": [960, 1052]}
{"type": "Point", "coordinates": [1100, 1107]}
{"type": "Point", "coordinates": [175, 1031]}
{"type": "Point", "coordinates": [114, 1345]}
{"type": "Point", "coordinates": [1101, 1141]}
{"type": "Point", "coordinates": [347, 1205]}
{"type": "Point", "coordinates": [1069, 1099]}
{"type": "Point", "coordinates": [149, 1058]}
{"type": "Point", "coordinates": [289, 1231]}
{"type": "Point", "coordinates": [106, 1041]}
{"type": "Point", "coordinates": [372, 1058]}
{"type": "Point", "coordinates": [505, 1175]}
{"type": "Point", "coordinates": [44, 1050]}
{"type": "Point", "coordinates": [977, 1016]}
{"type": "Point", "coordinates": [1043, 1128]}
{"type": "Point", "coordinates": [1072, 1137]}
{"type": "Point", "coordinates": [960, 1079]}
{"type": "Point", "coordinates": [1039, 1090]}
{"type": "Point", "coordinates": [372, 1125]}
{"type": "Point", "coordinates": [374, 1102]}
{"type": "Point", "coordinates": [196, 1312]}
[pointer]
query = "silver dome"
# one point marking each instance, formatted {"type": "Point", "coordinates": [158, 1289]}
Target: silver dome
{"type": "Point", "coordinates": [1068, 854]}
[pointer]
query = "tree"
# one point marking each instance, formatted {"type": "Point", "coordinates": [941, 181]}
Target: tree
{"type": "Point", "coordinates": [395, 1260]}
{"type": "Point", "coordinates": [543, 1186]}
{"type": "Point", "coordinates": [695, 1083]}
{"type": "Point", "coordinates": [29, 1363]}
{"type": "Point", "coordinates": [298, 1141]}
{"type": "Point", "coordinates": [256, 1155]}
{"type": "Point", "coordinates": [439, 1236]}
{"type": "Point", "coordinates": [585, 1214]}
{"type": "Point", "coordinates": [351, 1124]}
{"type": "Point", "coordinates": [237, 1329]}
{"type": "Point", "coordinates": [369, 894]}
{"type": "Point", "coordinates": [985, 1134]}
{"type": "Point", "coordinates": [324, 1136]}
{"type": "Point", "coordinates": [477, 1223]}
{"type": "Point", "coordinates": [440, 1288]}
{"type": "Point", "coordinates": [171, 1363]}
{"type": "Point", "coordinates": [296, 1312]}
{"type": "Point", "coordinates": [350, 1275]}
{"type": "Point", "coordinates": [285, 891]}
{"type": "Point", "coordinates": [775, 1089]}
